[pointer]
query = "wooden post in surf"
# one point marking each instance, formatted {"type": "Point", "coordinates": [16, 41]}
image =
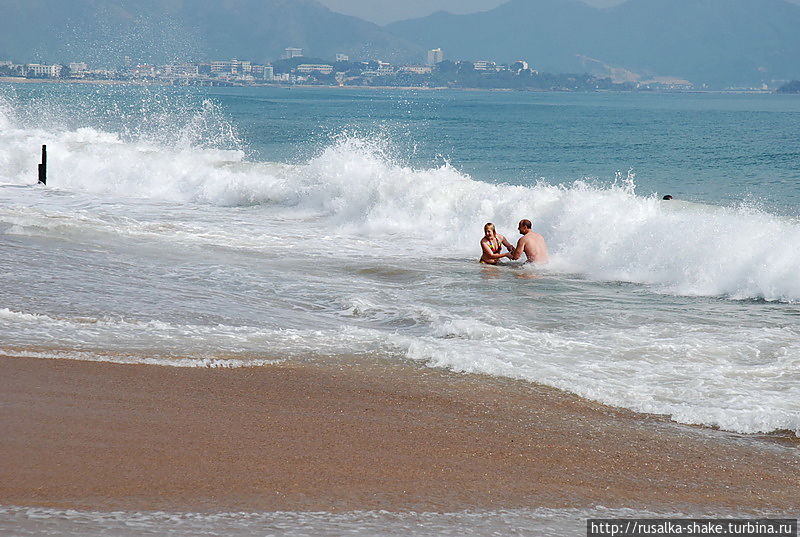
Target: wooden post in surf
{"type": "Point", "coordinates": [43, 166]}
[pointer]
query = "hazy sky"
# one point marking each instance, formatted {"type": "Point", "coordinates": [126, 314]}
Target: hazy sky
{"type": "Point", "coordinates": [386, 11]}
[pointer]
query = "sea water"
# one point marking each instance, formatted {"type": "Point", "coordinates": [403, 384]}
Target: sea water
{"type": "Point", "coordinates": [240, 226]}
{"type": "Point", "coordinates": [39, 522]}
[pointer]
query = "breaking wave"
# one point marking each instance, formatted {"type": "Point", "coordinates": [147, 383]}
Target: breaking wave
{"type": "Point", "coordinates": [355, 186]}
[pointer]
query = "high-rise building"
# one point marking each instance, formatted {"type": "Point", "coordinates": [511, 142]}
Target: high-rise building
{"type": "Point", "coordinates": [221, 66]}
{"type": "Point", "coordinates": [435, 56]}
{"type": "Point", "coordinates": [292, 52]}
{"type": "Point", "coordinates": [262, 72]}
{"type": "Point", "coordinates": [342, 58]}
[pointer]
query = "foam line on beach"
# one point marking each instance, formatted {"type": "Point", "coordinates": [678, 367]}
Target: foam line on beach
{"type": "Point", "coordinates": [114, 358]}
{"type": "Point", "coordinates": [715, 376]}
{"type": "Point", "coordinates": [553, 522]}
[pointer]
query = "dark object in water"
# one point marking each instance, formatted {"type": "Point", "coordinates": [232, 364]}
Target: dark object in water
{"type": "Point", "coordinates": [43, 166]}
{"type": "Point", "coordinates": [667, 197]}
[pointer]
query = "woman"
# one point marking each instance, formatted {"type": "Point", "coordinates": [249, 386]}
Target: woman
{"type": "Point", "coordinates": [491, 244]}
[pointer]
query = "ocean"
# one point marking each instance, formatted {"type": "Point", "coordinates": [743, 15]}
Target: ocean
{"type": "Point", "coordinates": [231, 227]}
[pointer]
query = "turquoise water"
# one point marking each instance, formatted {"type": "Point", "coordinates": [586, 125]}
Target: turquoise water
{"type": "Point", "coordinates": [711, 148]}
{"type": "Point", "coordinates": [701, 147]}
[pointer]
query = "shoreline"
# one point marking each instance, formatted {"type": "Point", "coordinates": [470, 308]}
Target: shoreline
{"type": "Point", "coordinates": [22, 80]}
{"type": "Point", "coordinates": [356, 436]}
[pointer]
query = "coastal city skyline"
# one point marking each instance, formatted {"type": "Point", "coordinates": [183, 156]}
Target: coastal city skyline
{"type": "Point", "coordinates": [294, 68]}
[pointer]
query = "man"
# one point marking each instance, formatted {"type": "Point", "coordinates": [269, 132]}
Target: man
{"type": "Point", "coordinates": [531, 243]}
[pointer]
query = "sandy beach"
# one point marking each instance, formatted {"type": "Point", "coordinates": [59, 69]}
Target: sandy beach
{"type": "Point", "coordinates": [328, 437]}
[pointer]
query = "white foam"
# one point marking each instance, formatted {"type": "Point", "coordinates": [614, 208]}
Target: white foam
{"type": "Point", "coordinates": [738, 379]}
{"type": "Point", "coordinates": [605, 232]}
{"type": "Point", "coordinates": [166, 343]}
{"type": "Point", "coordinates": [9, 315]}
{"type": "Point", "coordinates": [183, 362]}
{"type": "Point", "coordinates": [24, 521]}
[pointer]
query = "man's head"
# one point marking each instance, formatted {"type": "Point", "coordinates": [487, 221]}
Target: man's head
{"type": "Point", "coordinates": [524, 226]}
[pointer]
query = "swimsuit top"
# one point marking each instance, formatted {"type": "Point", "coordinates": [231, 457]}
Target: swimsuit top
{"type": "Point", "coordinates": [495, 246]}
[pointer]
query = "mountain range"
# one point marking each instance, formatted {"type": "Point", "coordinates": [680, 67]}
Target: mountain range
{"type": "Point", "coordinates": [156, 31]}
{"type": "Point", "coordinates": [718, 42]}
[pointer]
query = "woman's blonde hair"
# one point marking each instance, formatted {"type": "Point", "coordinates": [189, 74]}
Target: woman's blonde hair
{"type": "Point", "coordinates": [489, 226]}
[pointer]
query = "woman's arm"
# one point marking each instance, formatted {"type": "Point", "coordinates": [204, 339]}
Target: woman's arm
{"type": "Point", "coordinates": [488, 253]}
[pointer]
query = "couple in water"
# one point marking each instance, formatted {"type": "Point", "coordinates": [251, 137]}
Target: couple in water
{"type": "Point", "coordinates": [531, 243]}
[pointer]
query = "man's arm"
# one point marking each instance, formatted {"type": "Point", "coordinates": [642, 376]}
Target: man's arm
{"type": "Point", "coordinates": [517, 253]}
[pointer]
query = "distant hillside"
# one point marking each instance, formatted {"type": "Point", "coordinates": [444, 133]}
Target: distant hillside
{"type": "Point", "coordinates": [790, 87]}
{"type": "Point", "coordinates": [104, 31]}
{"type": "Point", "coordinates": [720, 42]}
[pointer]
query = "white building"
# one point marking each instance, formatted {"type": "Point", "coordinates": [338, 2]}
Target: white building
{"type": "Point", "coordinates": [418, 69]}
{"type": "Point", "coordinates": [100, 73]}
{"type": "Point", "coordinates": [232, 67]}
{"type": "Point", "coordinates": [385, 69]}
{"type": "Point", "coordinates": [263, 72]}
{"type": "Point", "coordinates": [220, 66]}
{"type": "Point", "coordinates": [342, 58]}
{"type": "Point", "coordinates": [485, 65]}
{"type": "Point", "coordinates": [435, 56]}
{"type": "Point", "coordinates": [181, 69]}
{"type": "Point", "coordinates": [78, 69]}
{"type": "Point", "coordinates": [143, 71]}
{"type": "Point", "coordinates": [35, 70]}
{"type": "Point", "coordinates": [308, 68]}
{"type": "Point", "coordinates": [292, 52]}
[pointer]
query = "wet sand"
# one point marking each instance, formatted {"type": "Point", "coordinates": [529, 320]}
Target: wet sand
{"type": "Point", "coordinates": [325, 437]}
